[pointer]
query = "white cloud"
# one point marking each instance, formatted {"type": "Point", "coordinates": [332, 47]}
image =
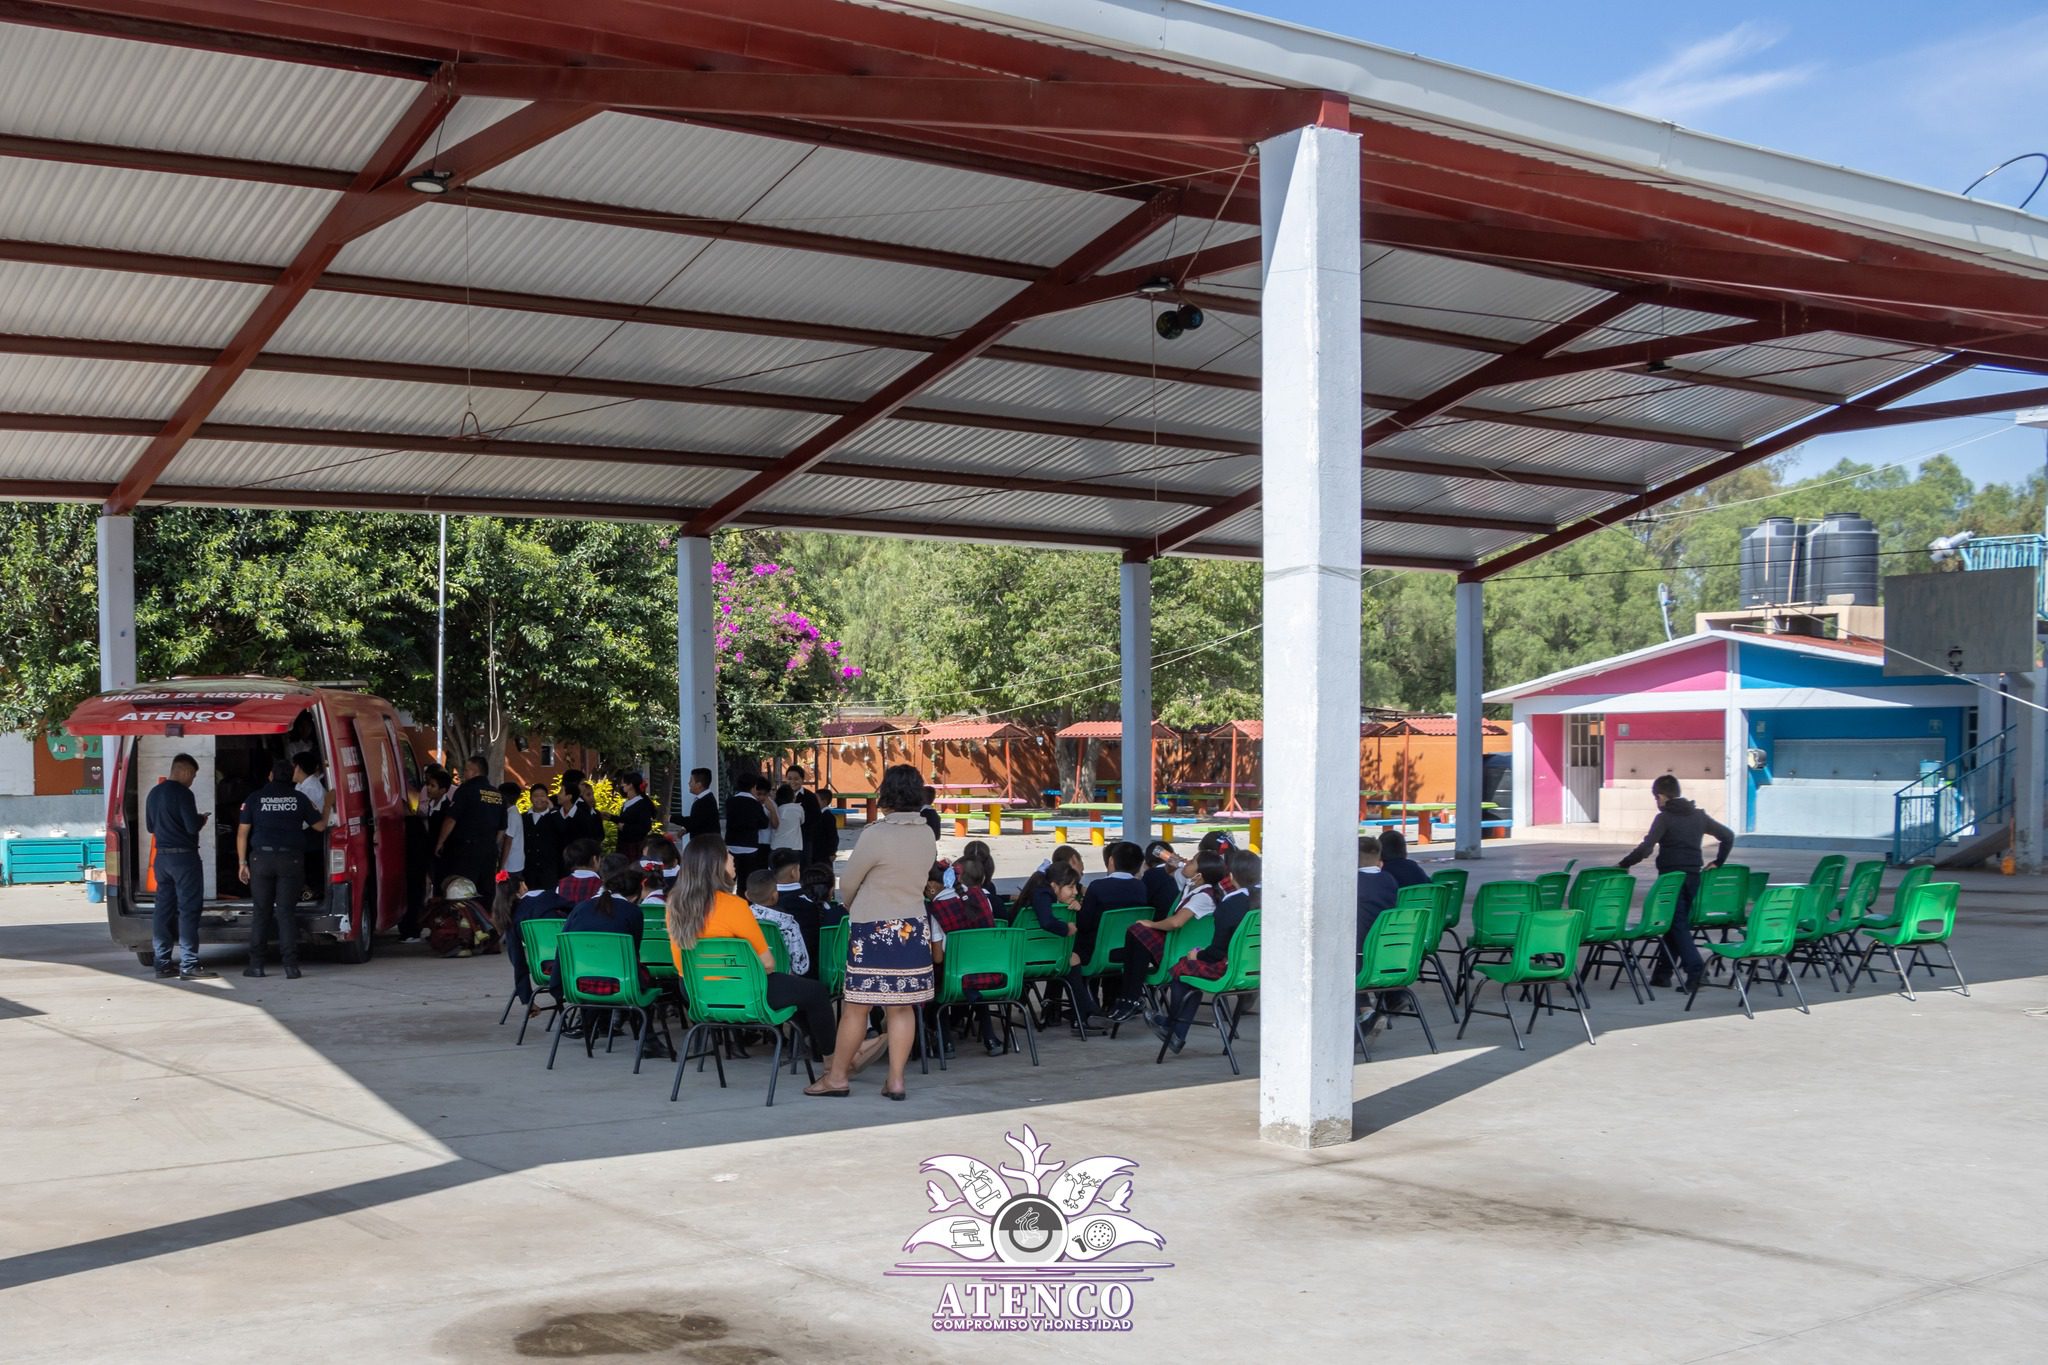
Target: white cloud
{"type": "Point", "coordinates": [1706, 75]}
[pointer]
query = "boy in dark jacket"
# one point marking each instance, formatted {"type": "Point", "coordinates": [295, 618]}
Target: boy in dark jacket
{"type": "Point", "coordinates": [1677, 834]}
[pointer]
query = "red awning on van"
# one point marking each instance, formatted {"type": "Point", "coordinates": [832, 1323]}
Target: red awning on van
{"type": "Point", "coordinates": [149, 711]}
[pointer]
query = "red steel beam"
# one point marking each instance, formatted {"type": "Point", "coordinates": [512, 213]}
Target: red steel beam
{"type": "Point", "coordinates": [1026, 303]}
{"type": "Point", "coordinates": [1843, 418]}
{"type": "Point", "coordinates": [189, 28]}
{"type": "Point", "coordinates": [393, 155]}
{"type": "Point", "coordinates": [1541, 478]}
{"type": "Point", "coordinates": [1235, 115]}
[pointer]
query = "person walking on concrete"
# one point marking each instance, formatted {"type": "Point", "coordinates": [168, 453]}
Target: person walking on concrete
{"type": "Point", "coordinates": [272, 847]}
{"type": "Point", "coordinates": [1677, 834]}
{"type": "Point", "coordinates": [172, 817]}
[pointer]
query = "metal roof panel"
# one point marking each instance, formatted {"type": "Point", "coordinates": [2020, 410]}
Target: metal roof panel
{"type": "Point", "coordinates": [179, 215]}
{"type": "Point", "coordinates": [46, 455]}
{"type": "Point", "coordinates": [108, 305]}
{"type": "Point", "coordinates": [92, 388]}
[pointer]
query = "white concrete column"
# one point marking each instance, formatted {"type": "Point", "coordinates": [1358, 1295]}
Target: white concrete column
{"type": "Point", "coordinates": [1312, 406]}
{"type": "Point", "coordinates": [1735, 749]}
{"type": "Point", "coordinates": [1470, 682]}
{"type": "Point", "coordinates": [696, 663]}
{"type": "Point", "coordinates": [1135, 583]}
{"type": "Point", "coordinates": [117, 603]}
{"type": "Point", "coordinates": [1522, 772]}
{"type": "Point", "coordinates": [2028, 756]}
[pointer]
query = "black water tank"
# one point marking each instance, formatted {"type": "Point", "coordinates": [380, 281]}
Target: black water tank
{"type": "Point", "coordinates": [1841, 560]}
{"type": "Point", "coordinates": [1773, 561]}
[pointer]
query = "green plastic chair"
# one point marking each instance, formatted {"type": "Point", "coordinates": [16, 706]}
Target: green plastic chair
{"type": "Point", "coordinates": [1722, 900]}
{"type": "Point", "coordinates": [1391, 962]}
{"type": "Point", "coordinates": [1459, 881]}
{"type": "Point", "coordinates": [725, 989]}
{"type": "Point", "coordinates": [1928, 921]}
{"type": "Point", "coordinates": [973, 952]}
{"type": "Point", "coordinates": [1769, 936]}
{"type": "Point", "coordinates": [832, 944]}
{"type": "Point", "coordinates": [1109, 938]}
{"type": "Point", "coordinates": [537, 937]}
{"type": "Point", "coordinates": [1580, 896]}
{"type": "Point", "coordinates": [1758, 880]}
{"type": "Point", "coordinates": [777, 947]}
{"type": "Point", "coordinates": [1813, 942]}
{"type": "Point", "coordinates": [1551, 889]}
{"type": "Point", "coordinates": [1196, 933]}
{"type": "Point", "coordinates": [1545, 953]}
{"type": "Point", "coordinates": [1045, 964]}
{"type": "Point", "coordinates": [1240, 979]}
{"type": "Point", "coordinates": [1902, 895]}
{"type": "Point", "coordinates": [1440, 900]}
{"type": "Point", "coordinates": [1829, 872]}
{"type": "Point", "coordinates": [1645, 935]}
{"type": "Point", "coordinates": [1496, 911]}
{"type": "Point", "coordinates": [1607, 903]}
{"type": "Point", "coordinates": [601, 971]}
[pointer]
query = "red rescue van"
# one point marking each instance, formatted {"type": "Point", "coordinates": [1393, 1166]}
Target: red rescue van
{"type": "Point", "coordinates": [235, 728]}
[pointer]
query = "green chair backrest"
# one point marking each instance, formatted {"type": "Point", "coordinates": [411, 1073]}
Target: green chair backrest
{"type": "Point", "coordinates": [1196, 933]}
{"type": "Point", "coordinates": [1045, 955]}
{"type": "Point", "coordinates": [1828, 872]}
{"type": "Point", "coordinates": [1580, 897]}
{"type": "Point", "coordinates": [1773, 921]}
{"type": "Point", "coordinates": [1421, 896]}
{"type": "Point", "coordinates": [1547, 934]}
{"type": "Point", "coordinates": [983, 952]}
{"type": "Point", "coordinates": [1915, 878]}
{"type": "Point", "coordinates": [1109, 937]}
{"type": "Point", "coordinates": [832, 943]}
{"type": "Point", "coordinates": [1814, 907]}
{"type": "Point", "coordinates": [599, 969]}
{"type": "Point", "coordinates": [1551, 888]}
{"type": "Point", "coordinates": [657, 955]}
{"type": "Point", "coordinates": [1931, 913]}
{"type": "Point", "coordinates": [1242, 973]}
{"type": "Point", "coordinates": [538, 937]}
{"type": "Point", "coordinates": [1456, 878]}
{"type": "Point", "coordinates": [1660, 907]}
{"type": "Point", "coordinates": [1394, 946]}
{"type": "Point", "coordinates": [1608, 902]}
{"type": "Point", "coordinates": [1861, 894]}
{"type": "Point", "coordinates": [1722, 898]}
{"type": "Point", "coordinates": [725, 984]}
{"type": "Point", "coordinates": [1758, 880]}
{"type": "Point", "coordinates": [1496, 910]}
{"type": "Point", "coordinates": [777, 945]}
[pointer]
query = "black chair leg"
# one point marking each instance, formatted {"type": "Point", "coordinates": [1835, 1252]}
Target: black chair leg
{"type": "Point", "coordinates": [646, 1028]}
{"type": "Point", "coordinates": [1228, 1028]}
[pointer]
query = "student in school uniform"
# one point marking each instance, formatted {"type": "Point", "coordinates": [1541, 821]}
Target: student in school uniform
{"type": "Point", "coordinates": [512, 839]}
{"type": "Point", "coordinates": [579, 819]}
{"type": "Point", "coordinates": [1396, 863]}
{"type": "Point", "coordinates": [1028, 894]}
{"type": "Point", "coordinates": [965, 905]}
{"type": "Point", "coordinates": [661, 856]}
{"type": "Point", "coordinates": [748, 827]}
{"type": "Point", "coordinates": [930, 813]}
{"type": "Point", "coordinates": [1146, 943]}
{"type": "Point", "coordinates": [1162, 877]}
{"type": "Point", "coordinates": [543, 838]}
{"type": "Point", "coordinates": [1122, 888]}
{"type": "Point", "coordinates": [581, 882]}
{"type": "Point", "coordinates": [1212, 961]}
{"type": "Point", "coordinates": [765, 901]}
{"type": "Point", "coordinates": [615, 909]}
{"type": "Point", "coordinates": [636, 814]}
{"type": "Point", "coordinates": [516, 904]}
{"type": "Point", "coordinates": [1378, 888]}
{"type": "Point", "coordinates": [786, 873]}
{"type": "Point", "coordinates": [808, 805]}
{"type": "Point", "coordinates": [821, 884]}
{"type": "Point", "coordinates": [703, 816]}
{"type": "Point", "coordinates": [789, 824]}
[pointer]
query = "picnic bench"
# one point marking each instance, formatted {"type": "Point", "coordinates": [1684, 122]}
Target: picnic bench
{"type": "Point", "coordinates": [1424, 813]}
{"type": "Point", "coordinates": [868, 797]}
{"type": "Point", "coordinates": [961, 809]}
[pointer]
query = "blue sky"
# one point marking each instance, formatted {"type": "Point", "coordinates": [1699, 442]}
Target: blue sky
{"type": "Point", "coordinates": [1917, 92]}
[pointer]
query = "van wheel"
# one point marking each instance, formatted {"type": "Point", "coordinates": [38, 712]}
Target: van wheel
{"type": "Point", "coordinates": [146, 956]}
{"type": "Point", "coordinates": [359, 949]}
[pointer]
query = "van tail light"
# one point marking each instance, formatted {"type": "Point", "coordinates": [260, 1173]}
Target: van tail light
{"type": "Point", "coordinates": [337, 864]}
{"type": "Point", "coordinates": [113, 860]}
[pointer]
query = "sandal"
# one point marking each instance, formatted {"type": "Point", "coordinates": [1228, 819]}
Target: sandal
{"type": "Point", "coordinates": [818, 1090]}
{"type": "Point", "coordinates": [869, 1049]}
{"type": "Point", "coordinates": [894, 1095]}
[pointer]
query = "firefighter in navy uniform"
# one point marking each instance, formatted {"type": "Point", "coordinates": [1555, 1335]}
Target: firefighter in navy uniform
{"type": "Point", "coordinates": [271, 845]}
{"type": "Point", "coordinates": [474, 819]}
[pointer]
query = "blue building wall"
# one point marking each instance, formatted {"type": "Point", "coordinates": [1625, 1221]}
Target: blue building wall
{"type": "Point", "coordinates": [1763, 666]}
{"type": "Point", "coordinates": [1918, 722]}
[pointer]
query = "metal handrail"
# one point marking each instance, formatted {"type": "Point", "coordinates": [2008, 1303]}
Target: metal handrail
{"type": "Point", "coordinates": [1971, 791]}
{"type": "Point", "coordinates": [2011, 552]}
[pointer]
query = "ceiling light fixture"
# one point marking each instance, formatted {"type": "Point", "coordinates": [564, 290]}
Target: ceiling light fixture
{"type": "Point", "coordinates": [1157, 285]}
{"type": "Point", "coordinates": [431, 181]}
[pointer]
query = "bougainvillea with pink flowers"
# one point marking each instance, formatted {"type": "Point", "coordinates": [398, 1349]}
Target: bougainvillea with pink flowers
{"type": "Point", "coordinates": [779, 673]}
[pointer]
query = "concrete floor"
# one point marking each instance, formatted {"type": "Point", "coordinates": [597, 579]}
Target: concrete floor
{"type": "Point", "coordinates": [360, 1164]}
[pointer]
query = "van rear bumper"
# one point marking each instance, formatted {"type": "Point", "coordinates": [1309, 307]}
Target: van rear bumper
{"type": "Point", "coordinates": [231, 923]}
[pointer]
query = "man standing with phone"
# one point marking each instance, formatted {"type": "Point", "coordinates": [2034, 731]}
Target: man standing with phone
{"type": "Point", "coordinates": [172, 817]}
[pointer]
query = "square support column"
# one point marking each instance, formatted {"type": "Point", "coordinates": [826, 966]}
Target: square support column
{"type": "Point", "coordinates": [1312, 406]}
{"type": "Point", "coordinates": [117, 603]}
{"type": "Point", "coordinates": [1471, 682]}
{"type": "Point", "coordinates": [1135, 583]}
{"type": "Point", "coordinates": [696, 662]}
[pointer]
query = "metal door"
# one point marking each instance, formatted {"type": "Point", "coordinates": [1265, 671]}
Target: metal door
{"type": "Point", "coordinates": [1585, 766]}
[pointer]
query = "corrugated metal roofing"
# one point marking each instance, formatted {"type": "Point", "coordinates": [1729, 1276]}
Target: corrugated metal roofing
{"type": "Point", "coordinates": [177, 215]}
{"type": "Point", "coordinates": [86, 88]}
{"type": "Point", "coordinates": [107, 305]}
{"type": "Point", "coordinates": [171, 97]}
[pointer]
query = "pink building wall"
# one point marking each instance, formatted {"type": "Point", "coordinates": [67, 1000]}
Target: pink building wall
{"type": "Point", "coordinates": [1546, 776]}
{"type": "Point", "coordinates": [1656, 726]}
{"type": "Point", "coordinates": [1702, 668]}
